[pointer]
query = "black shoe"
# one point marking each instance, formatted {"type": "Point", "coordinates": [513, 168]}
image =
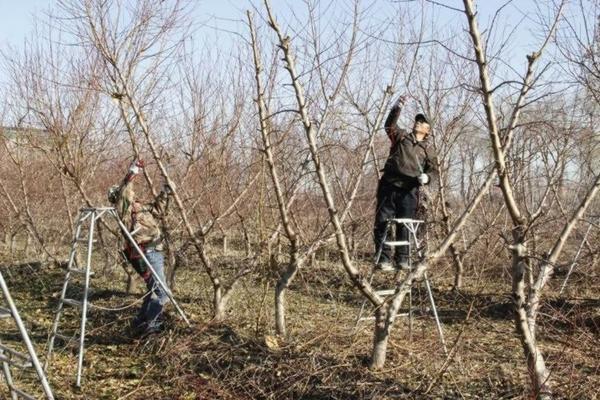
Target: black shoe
{"type": "Point", "coordinates": [140, 328]}
{"type": "Point", "coordinates": [144, 330]}
{"type": "Point", "coordinates": [151, 330]}
{"type": "Point", "coordinates": [137, 325]}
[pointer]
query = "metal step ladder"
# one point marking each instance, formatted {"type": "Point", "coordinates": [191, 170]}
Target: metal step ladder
{"type": "Point", "coordinates": [412, 226]}
{"type": "Point", "coordinates": [11, 357]}
{"type": "Point", "coordinates": [83, 242]}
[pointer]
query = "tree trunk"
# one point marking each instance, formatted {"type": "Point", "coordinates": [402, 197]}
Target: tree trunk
{"type": "Point", "coordinates": [129, 284]}
{"type": "Point", "coordinates": [219, 304]}
{"type": "Point", "coordinates": [13, 243]}
{"type": "Point", "coordinates": [280, 291]}
{"type": "Point", "coordinates": [459, 268]}
{"type": "Point", "coordinates": [380, 339]}
{"type": "Point", "coordinates": [6, 240]}
{"type": "Point", "coordinates": [248, 245]}
{"type": "Point", "coordinates": [537, 370]}
{"type": "Point", "coordinates": [27, 245]}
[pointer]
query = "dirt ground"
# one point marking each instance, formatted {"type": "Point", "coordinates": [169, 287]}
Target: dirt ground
{"type": "Point", "coordinates": [325, 355]}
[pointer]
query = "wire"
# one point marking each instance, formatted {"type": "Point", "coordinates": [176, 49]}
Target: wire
{"type": "Point", "coordinates": [121, 308]}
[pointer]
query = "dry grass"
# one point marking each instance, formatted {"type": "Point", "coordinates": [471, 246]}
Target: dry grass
{"type": "Point", "coordinates": [323, 357]}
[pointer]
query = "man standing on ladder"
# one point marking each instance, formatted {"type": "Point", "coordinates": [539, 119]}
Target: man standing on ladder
{"type": "Point", "coordinates": [410, 165]}
{"type": "Point", "coordinates": [145, 230]}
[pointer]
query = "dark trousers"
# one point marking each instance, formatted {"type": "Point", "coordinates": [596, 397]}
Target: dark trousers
{"type": "Point", "coordinates": [393, 202]}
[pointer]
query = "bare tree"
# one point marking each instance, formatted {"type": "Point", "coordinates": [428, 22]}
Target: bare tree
{"type": "Point", "coordinates": [136, 48]}
{"type": "Point", "coordinates": [386, 310]}
{"type": "Point", "coordinates": [526, 292]}
{"type": "Point", "coordinates": [303, 245]}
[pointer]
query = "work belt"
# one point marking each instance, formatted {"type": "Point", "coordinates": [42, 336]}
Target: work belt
{"type": "Point", "coordinates": [152, 245]}
{"type": "Point", "coordinates": [135, 258]}
{"type": "Point", "coordinates": [144, 246]}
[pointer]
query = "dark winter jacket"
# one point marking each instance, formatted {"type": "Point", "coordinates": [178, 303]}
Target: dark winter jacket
{"type": "Point", "coordinates": [408, 157]}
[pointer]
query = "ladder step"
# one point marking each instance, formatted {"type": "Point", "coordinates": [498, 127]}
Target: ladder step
{"type": "Point", "coordinates": [74, 303]}
{"type": "Point", "coordinates": [385, 292]}
{"type": "Point", "coordinates": [85, 240]}
{"type": "Point", "coordinates": [22, 394]}
{"type": "Point", "coordinates": [372, 317]}
{"type": "Point", "coordinates": [397, 243]}
{"type": "Point", "coordinates": [80, 271]}
{"type": "Point", "coordinates": [407, 221]}
{"type": "Point", "coordinates": [5, 313]}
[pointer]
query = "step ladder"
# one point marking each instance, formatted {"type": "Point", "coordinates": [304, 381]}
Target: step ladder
{"type": "Point", "coordinates": [83, 242]}
{"type": "Point", "coordinates": [10, 357]}
{"type": "Point", "coordinates": [413, 245]}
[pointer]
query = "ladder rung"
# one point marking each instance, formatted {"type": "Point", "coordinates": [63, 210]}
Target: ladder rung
{"type": "Point", "coordinates": [5, 313]}
{"type": "Point", "coordinates": [22, 394]}
{"type": "Point", "coordinates": [397, 243]}
{"type": "Point", "coordinates": [74, 303]}
{"type": "Point", "coordinates": [372, 317]}
{"type": "Point", "coordinates": [406, 221]}
{"type": "Point", "coordinates": [9, 360]}
{"type": "Point", "coordinates": [84, 240]}
{"type": "Point", "coordinates": [385, 292]}
{"type": "Point", "coordinates": [14, 352]}
{"type": "Point", "coordinates": [73, 340]}
{"type": "Point", "coordinates": [80, 271]}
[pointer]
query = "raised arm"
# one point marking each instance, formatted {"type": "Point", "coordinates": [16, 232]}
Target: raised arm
{"type": "Point", "coordinates": [391, 123]}
{"type": "Point", "coordinates": [123, 194]}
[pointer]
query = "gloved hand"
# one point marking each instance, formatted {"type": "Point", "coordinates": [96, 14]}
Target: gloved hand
{"type": "Point", "coordinates": [134, 170]}
{"type": "Point", "coordinates": [423, 179]}
{"type": "Point", "coordinates": [135, 167]}
{"type": "Point", "coordinates": [400, 101]}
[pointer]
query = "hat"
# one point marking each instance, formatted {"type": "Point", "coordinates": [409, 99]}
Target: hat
{"type": "Point", "coordinates": [113, 193]}
{"type": "Point", "coordinates": [421, 118]}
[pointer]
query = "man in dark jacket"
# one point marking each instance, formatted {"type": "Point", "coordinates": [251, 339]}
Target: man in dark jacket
{"type": "Point", "coordinates": [410, 165]}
